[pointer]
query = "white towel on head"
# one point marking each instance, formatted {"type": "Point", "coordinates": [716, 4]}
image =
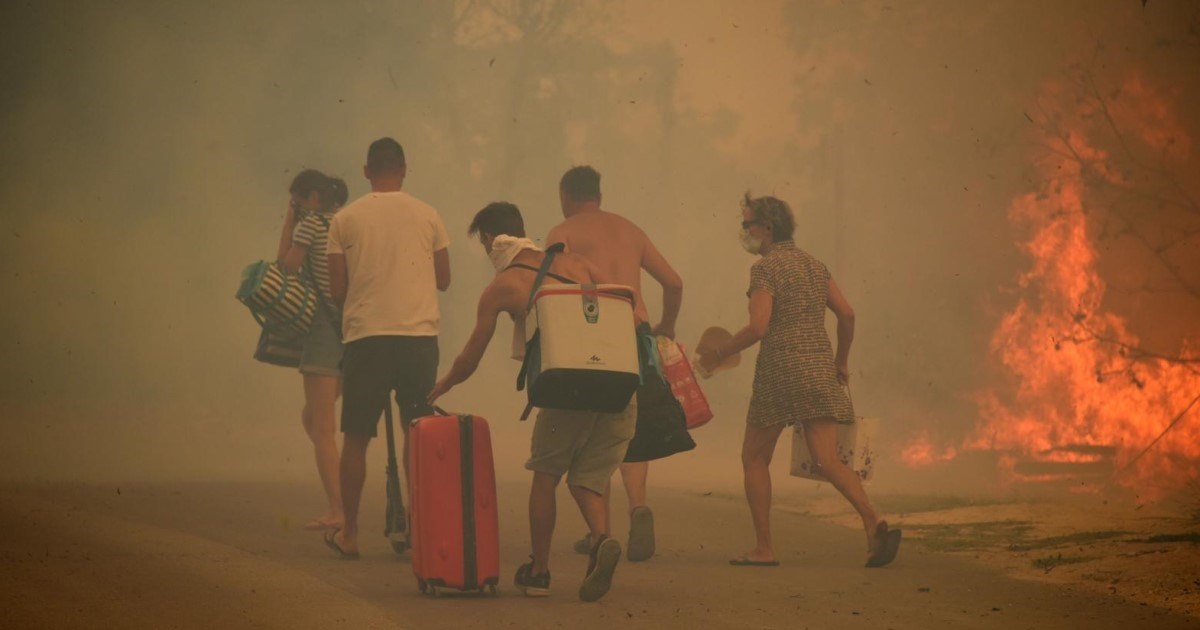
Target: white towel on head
{"type": "Point", "coordinates": [505, 248]}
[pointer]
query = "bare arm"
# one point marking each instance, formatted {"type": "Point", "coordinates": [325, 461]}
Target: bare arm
{"type": "Point", "coordinates": [285, 235]}
{"type": "Point", "coordinates": [762, 304]}
{"type": "Point", "coordinates": [441, 268]}
{"type": "Point", "coordinates": [294, 257]}
{"type": "Point", "coordinates": [468, 360]}
{"type": "Point", "coordinates": [672, 287]}
{"type": "Point", "coordinates": [339, 279]}
{"type": "Point", "coordinates": [845, 330]}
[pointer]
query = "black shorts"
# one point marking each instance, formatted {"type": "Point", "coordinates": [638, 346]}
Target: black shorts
{"type": "Point", "coordinates": [374, 366]}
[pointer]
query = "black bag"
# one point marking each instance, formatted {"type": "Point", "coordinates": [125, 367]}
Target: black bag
{"type": "Point", "coordinates": [278, 349]}
{"type": "Point", "coordinates": [661, 423]}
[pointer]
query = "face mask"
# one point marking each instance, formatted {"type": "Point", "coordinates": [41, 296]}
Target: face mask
{"type": "Point", "coordinates": [750, 243]}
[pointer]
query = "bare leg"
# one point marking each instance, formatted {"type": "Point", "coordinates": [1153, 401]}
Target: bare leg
{"type": "Point", "coordinates": [543, 511]}
{"type": "Point", "coordinates": [634, 476]}
{"type": "Point", "coordinates": [354, 473]}
{"type": "Point", "coordinates": [607, 507]}
{"type": "Point", "coordinates": [594, 510]}
{"type": "Point", "coordinates": [821, 436]}
{"type": "Point", "coordinates": [606, 554]}
{"type": "Point", "coordinates": [641, 520]}
{"type": "Point", "coordinates": [320, 395]}
{"type": "Point", "coordinates": [758, 447]}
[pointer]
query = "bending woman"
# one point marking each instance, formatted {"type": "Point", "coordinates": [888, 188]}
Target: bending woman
{"type": "Point", "coordinates": [797, 378]}
{"type": "Point", "coordinates": [315, 197]}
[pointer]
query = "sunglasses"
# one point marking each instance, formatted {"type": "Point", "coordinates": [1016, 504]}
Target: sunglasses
{"type": "Point", "coordinates": [746, 224]}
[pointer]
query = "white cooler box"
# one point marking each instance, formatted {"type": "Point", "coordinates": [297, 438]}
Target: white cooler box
{"type": "Point", "coordinates": [584, 353]}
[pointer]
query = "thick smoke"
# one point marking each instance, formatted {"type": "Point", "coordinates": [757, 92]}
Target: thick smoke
{"type": "Point", "coordinates": [149, 146]}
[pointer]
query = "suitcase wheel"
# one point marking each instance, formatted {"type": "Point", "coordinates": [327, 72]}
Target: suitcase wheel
{"type": "Point", "coordinates": [399, 546]}
{"type": "Point", "coordinates": [491, 588]}
{"type": "Point", "coordinates": [422, 585]}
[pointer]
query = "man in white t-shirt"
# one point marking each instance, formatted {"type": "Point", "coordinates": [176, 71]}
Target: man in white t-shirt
{"type": "Point", "coordinates": [387, 262]}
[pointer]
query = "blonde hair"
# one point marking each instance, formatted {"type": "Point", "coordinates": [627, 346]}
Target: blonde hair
{"type": "Point", "coordinates": [772, 212]}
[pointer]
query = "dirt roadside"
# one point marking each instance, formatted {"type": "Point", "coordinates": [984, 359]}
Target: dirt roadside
{"type": "Point", "coordinates": [1144, 554]}
{"type": "Point", "coordinates": [231, 555]}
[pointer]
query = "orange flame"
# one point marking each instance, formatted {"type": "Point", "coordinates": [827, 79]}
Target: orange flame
{"type": "Point", "coordinates": [1079, 380]}
{"type": "Point", "coordinates": [921, 452]}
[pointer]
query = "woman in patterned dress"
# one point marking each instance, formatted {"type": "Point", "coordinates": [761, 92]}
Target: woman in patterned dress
{"type": "Point", "coordinates": [797, 378]}
{"type": "Point", "coordinates": [314, 198]}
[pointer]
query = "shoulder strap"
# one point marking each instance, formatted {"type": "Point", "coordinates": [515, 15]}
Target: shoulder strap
{"type": "Point", "coordinates": [533, 340]}
{"type": "Point", "coordinates": [563, 279]}
{"type": "Point", "coordinates": [537, 282]}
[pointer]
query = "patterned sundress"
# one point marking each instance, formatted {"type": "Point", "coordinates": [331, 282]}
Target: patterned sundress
{"type": "Point", "coordinates": [795, 378]}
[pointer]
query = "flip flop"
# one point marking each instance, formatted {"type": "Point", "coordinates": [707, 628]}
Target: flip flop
{"type": "Point", "coordinates": [886, 545]}
{"type": "Point", "coordinates": [747, 562]}
{"type": "Point", "coordinates": [891, 547]}
{"type": "Point", "coordinates": [332, 544]}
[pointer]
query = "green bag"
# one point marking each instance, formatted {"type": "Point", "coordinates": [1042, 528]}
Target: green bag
{"type": "Point", "coordinates": [281, 303]}
{"type": "Point", "coordinates": [279, 350]}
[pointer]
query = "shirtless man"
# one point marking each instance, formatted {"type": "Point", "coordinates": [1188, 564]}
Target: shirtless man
{"type": "Point", "coordinates": [585, 446]}
{"type": "Point", "coordinates": [621, 250]}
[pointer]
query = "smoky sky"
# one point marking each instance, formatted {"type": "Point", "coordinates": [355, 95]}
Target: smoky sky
{"type": "Point", "coordinates": [148, 148]}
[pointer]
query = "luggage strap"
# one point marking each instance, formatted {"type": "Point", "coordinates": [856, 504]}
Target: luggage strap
{"type": "Point", "coordinates": [551, 251]}
{"type": "Point", "coordinates": [542, 271]}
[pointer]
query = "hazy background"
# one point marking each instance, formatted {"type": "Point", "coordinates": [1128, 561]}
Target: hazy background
{"type": "Point", "coordinates": [148, 147]}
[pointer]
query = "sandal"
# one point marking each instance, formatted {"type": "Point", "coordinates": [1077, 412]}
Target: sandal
{"type": "Point", "coordinates": [884, 546]}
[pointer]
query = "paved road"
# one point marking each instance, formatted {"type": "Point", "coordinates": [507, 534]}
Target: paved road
{"type": "Point", "coordinates": [232, 555]}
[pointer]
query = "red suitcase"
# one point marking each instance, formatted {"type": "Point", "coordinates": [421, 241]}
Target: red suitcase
{"type": "Point", "coordinates": [452, 488]}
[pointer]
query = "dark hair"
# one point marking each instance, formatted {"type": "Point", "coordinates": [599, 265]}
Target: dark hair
{"type": "Point", "coordinates": [498, 217]}
{"type": "Point", "coordinates": [384, 156]}
{"type": "Point", "coordinates": [331, 191]}
{"type": "Point", "coordinates": [581, 183]}
{"type": "Point", "coordinates": [339, 191]}
{"type": "Point", "coordinates": [773, 212]}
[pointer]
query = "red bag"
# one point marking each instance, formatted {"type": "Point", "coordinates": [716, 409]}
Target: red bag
{"type": "Point", "coordinates": [678, 372]}
{"type": "Point", "coordinates": [455, 523]}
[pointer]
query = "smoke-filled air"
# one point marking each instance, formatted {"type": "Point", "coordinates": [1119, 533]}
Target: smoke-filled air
{"type": "Point", "coordinates": [1007, 194]}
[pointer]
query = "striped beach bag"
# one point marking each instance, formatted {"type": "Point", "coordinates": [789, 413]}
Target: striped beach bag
{"type": "Point", "coordinates": [280, 302]}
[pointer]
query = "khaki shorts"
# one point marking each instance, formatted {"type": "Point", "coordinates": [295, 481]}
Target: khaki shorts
{"type": "Point", "coordinates": [586, 446]}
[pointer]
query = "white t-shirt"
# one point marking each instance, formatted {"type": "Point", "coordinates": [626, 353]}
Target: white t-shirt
{"type": "Point", "coordinates": [388, 239]}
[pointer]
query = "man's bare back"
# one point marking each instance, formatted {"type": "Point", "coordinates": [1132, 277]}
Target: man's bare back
{"type": "Point", "coordinates": [618, 248]}
{"type": "Point", "coordinates": [612, 243]}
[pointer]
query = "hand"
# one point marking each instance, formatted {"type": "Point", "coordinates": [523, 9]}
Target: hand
{"type": "Point", "coordinates": [843, 373]}
{"type": "Point", "coordinates": [709, 361]}
{"type": "Point", "coordinates": [440, 388]}
{"type": "Point", "coordinates": [664, 330]}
